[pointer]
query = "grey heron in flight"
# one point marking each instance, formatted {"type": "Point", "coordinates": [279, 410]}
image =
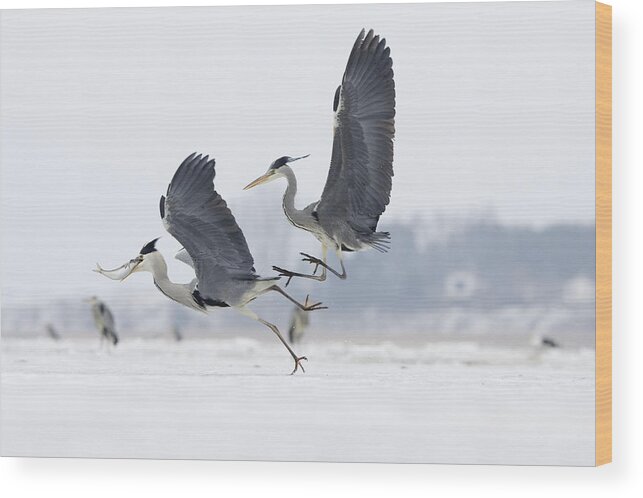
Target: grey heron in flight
{"type": "Point", "coordinates": [213, 245]}
{"type": "Point", "coordinates": [358, 185]}
{"type": "Point", "coordinates": [104, 321]}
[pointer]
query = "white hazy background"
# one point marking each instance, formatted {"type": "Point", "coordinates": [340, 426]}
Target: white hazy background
{"type": "Point", "coordinates": [494, 114]}
{"type": "Point", "coordinates": [495, 132]}
{"type": "Point", "coordinates": [74, 477]}
{"type": "Point", "coordinates": [494, 158]}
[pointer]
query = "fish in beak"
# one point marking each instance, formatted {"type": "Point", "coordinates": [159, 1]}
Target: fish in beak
{"type": "Point", "coordinates": [122, 272]}
{"type": "Point", "coordinates": [267, 177]}
{"type": "Point", "coordinates": [132, 266]}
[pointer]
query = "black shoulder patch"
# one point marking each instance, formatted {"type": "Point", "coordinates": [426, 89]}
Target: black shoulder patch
{"type": "Point", "coordinates": [206, 301]}
{"type": "Point", "coordinates": [315, 215]}
{"type": "Point", "coordinates": [149, 247]}
{"type": "Point", "coordinates": [336, 101]}
{"type": "Point", "coordinates": [162, 207]}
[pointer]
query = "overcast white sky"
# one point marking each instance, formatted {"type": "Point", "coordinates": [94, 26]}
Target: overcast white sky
{"type": "Point", "coordinates": [495, 110]}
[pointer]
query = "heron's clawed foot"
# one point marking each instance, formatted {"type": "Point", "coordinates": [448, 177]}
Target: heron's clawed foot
{"type": "Point", "coordinates": [298, 364]}
{"type": "Point", "coordinates": [312, 260]}
{"type": "Point", "coordinates": [285, 273]}
{"type": "Point", "coordinates": [313, 307]}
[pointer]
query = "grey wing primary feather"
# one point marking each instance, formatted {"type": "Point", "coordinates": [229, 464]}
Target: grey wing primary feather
{"type": "Point", "coordinates": [196, 215]}
{"type": "Point", "coordinates": [359, 181]}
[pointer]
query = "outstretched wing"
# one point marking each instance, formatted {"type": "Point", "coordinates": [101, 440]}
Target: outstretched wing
{"type": "Point", "coordinates": [359, 181]}
{"type": "Point", "coordinates": [196, 215]}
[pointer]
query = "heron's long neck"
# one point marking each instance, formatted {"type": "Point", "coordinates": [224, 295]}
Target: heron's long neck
{"type": "Point", "coordinates": [181, 293]}
{"type": "Point", "coordinates": [291, 190]}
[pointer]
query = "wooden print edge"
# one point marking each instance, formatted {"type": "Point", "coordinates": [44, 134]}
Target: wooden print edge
{"type": "Point", "coordinates": [603, 125]}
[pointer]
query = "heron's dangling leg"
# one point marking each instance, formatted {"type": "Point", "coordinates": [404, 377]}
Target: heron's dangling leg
{"type": "Point", "coordinates": [298, 359]}
{"type": "Point", "coordinates": [304, 307]}
{"type": "Point", "coordinates": [319, 278]}
{"type": "Point", "coordinates": [319, 262]}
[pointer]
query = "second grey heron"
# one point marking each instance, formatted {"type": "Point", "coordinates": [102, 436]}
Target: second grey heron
{"type": "Point", "coordinates": [104, 321]}
{"type": "Point", "coordinates": [358, 185]}
{"type": "Point", "coordinates": [213, 245]}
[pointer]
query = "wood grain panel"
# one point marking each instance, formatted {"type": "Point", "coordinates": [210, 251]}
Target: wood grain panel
{"type": "Point", "coordinates": [603, 234]}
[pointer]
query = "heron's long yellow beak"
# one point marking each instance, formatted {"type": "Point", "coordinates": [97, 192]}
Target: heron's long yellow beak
{"type": "Point", "coordinates": [259, 181]}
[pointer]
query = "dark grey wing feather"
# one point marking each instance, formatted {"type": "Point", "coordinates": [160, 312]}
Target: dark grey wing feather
{"type": "Point", "coordinates": [359, 181]}
{"type": "Point", "coordinates": [197, 216]}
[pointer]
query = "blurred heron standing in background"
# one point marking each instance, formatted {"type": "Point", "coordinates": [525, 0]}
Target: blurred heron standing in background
{"type": "Point", "coordinates": [299, 321]}
{"type": "Point", "coordinates": [52, 332]}
{"type": "Point", "coordinates": [104, 321]}
{"type": "Point", "coordinates": [176, 333]}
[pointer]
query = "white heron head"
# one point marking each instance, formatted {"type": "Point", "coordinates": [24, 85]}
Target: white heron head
{"type": "Point", "coordinates": [146, 260]}
{"type": "Point", "coordinates": [276, 170]}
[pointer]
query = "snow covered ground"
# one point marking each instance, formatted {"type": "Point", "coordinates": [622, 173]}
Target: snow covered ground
{"type": "Point", "coordinates": [232, 399]}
